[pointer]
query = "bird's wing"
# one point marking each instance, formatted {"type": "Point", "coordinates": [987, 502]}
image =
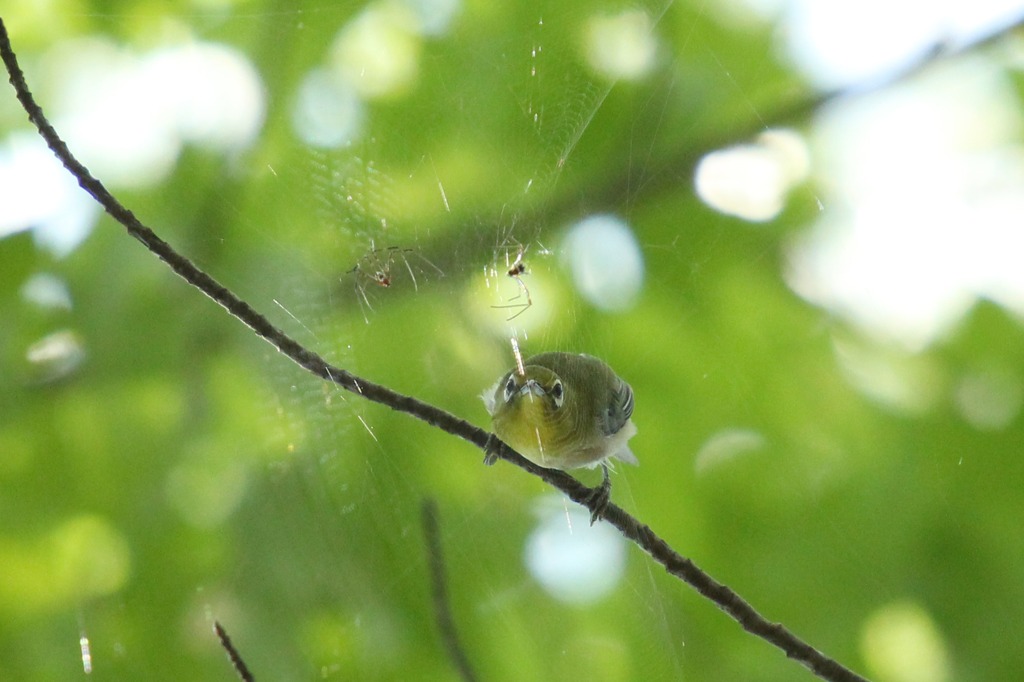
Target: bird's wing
{"type": "Point", "coordinates": [620, 408]}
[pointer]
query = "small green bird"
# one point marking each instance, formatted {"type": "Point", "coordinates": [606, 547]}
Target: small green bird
{"type": "Point", "coordinates": [562, 411]}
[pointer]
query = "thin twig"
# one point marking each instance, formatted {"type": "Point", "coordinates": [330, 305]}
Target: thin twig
{"type": "Point", "coordinates": [233, 655]}
{"type": "Point", "coordinates": [439, 592]}
{"type": "Point", "coordinates": [730, 602]}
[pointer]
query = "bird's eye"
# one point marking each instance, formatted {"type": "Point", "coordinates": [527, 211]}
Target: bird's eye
{"type": "Point", "coordinates": [558, 393]}
{"type": "Point", "coordinates": [510, 388]}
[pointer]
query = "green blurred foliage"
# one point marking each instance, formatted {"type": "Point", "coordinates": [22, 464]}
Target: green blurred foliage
{"type": "Point", "coordinates": [186, 471]}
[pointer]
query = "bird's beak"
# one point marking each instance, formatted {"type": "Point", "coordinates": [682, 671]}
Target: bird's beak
{"type": "Point", "coordinates": [532, 388]}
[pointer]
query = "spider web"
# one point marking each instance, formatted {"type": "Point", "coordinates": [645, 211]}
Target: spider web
{"type": "Point", "coordinates": [412, 228]}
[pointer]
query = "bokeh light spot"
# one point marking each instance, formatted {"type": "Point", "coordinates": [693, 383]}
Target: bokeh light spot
{"type": "Point", "coordinates": [606, 262]}
{"type": "Point", "coordinates": [56, 355]}
{"type": "Point", "coordinates": [47, 291]}
{"type": "Point", "coordinates": [90, 558]}
{"type": "Point", "coordinates": [751, 181]}
{"type": "Point", "coordinates": [572, 560]}
{"type": "Point", "coordinates": [378, 52]}
{"type": "Point", "coordinates": [214, 92]}
{"type": "Point", "coordinates": [38, 193]}
{"type": "Point", "coordinates": [901, 643]}
{"type": "Point", "coordinates": [989, 400]}
{"type": "Point", "coordinates": [435, 17]}
{"type": "Point", "coordinates": [620, 46]}
{"type": "Point", "coordinates": [725, 446]}
{"type": "Point", "coordinates": [327, 113]}
{"type": "Point", "coordinates": [206, 492]}
{"type": "Point", "coordinates": [925, 220]}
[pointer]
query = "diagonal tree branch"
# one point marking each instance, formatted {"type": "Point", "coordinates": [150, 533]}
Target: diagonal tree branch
{"type": "Point", "coordinates": [638, 533]}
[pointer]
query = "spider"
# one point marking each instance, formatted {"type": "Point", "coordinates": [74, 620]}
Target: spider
{"type": "Point", "coordinates": [375, 267]}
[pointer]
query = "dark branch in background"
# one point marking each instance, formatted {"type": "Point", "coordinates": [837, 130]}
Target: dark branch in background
{"type": "Point", "coordinates": [236, 658]}
{"type": "Point", "coordinates": [730, 602]}
{"type": "Point", "coordinates": [677, 169]}
{"type": "Point", "coordinates": [439, 592]}
{"type": "Point", "coordinates": [678, 166]}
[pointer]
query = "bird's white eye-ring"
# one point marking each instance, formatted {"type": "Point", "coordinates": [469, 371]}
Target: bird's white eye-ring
{"type": "Point", "coordinates": [510, 388]}
{"type": "Point", "coordinates": [558, 393]}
